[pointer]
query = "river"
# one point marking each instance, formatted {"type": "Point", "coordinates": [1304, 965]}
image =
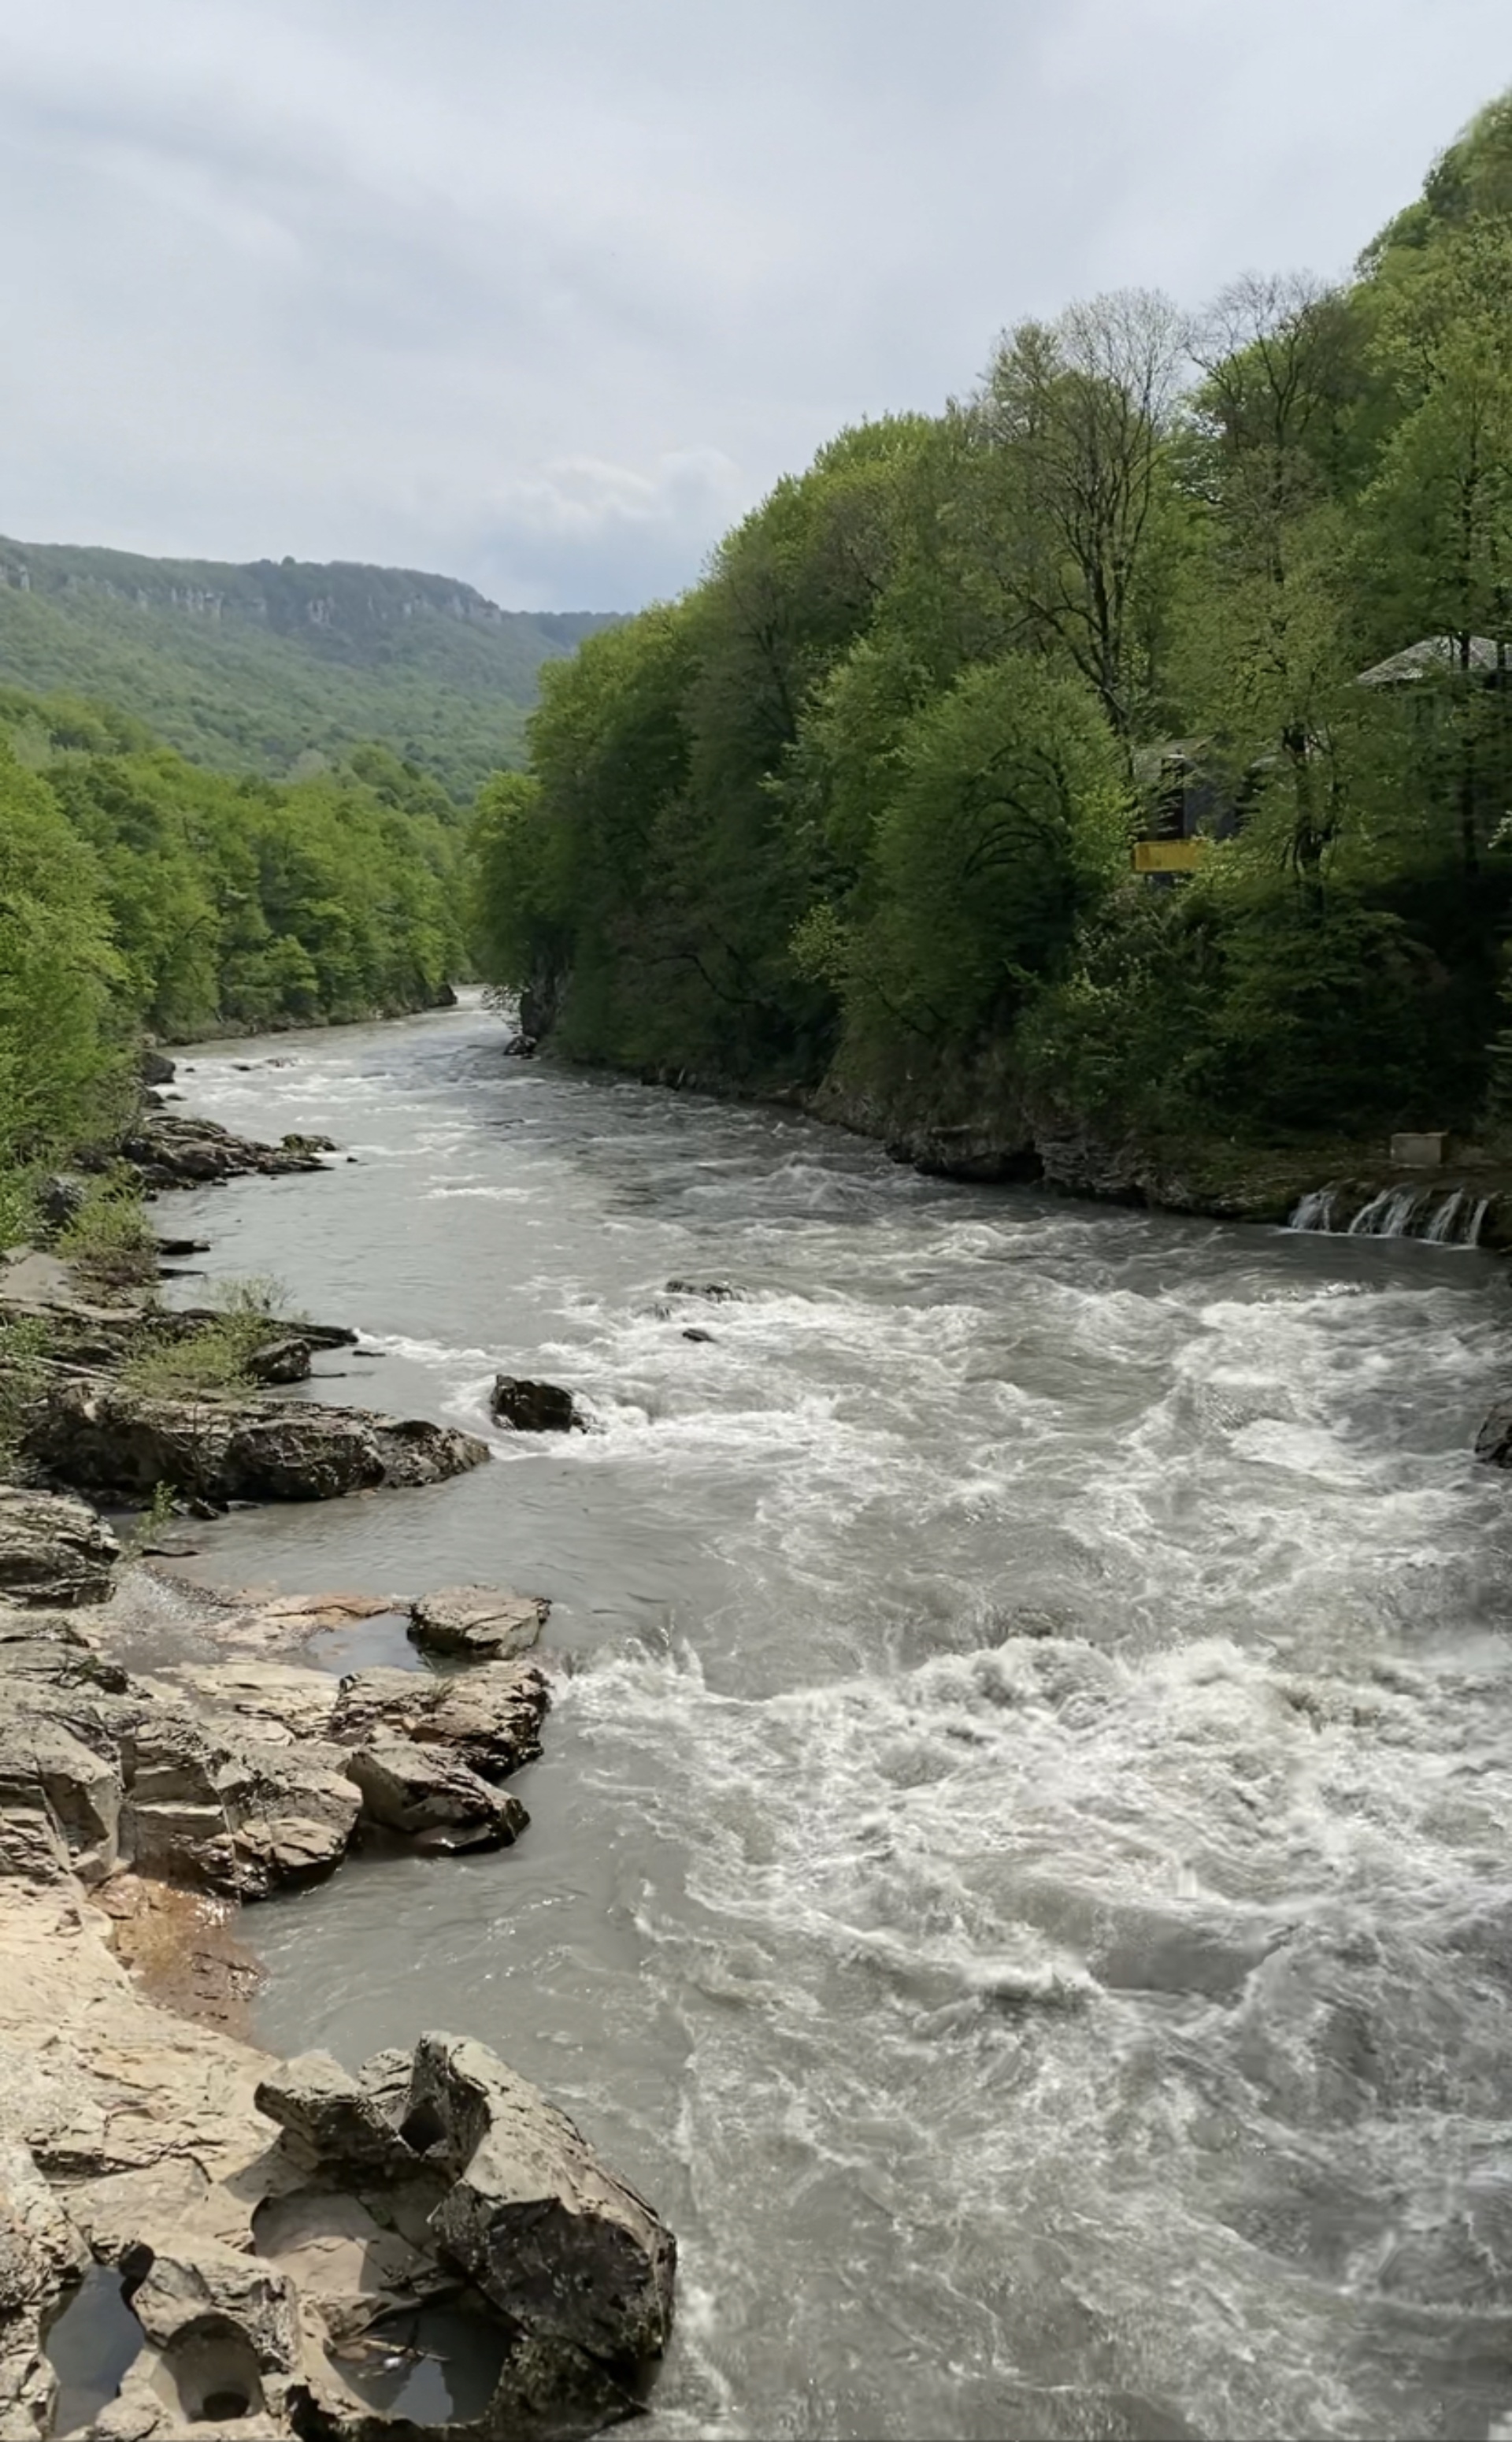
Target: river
{"type": "Point", "coordinates": [1021, 1872]}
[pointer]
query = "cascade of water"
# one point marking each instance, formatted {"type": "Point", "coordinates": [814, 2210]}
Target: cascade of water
{"type": "Point", "coordinates": [1315, 1210]}
{"type": "Point", "coordinates": [1440, 1231]}
{"type": "Point", "coordinates": [1389, 1214]}
{"type": "Point", "coordinates": [1472, 1235]}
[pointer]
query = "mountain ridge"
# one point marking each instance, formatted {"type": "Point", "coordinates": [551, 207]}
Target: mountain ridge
{"type": "Point", "coordinates": [278, 665]}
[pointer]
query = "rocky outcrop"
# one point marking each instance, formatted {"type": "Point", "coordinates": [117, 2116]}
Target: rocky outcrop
{"type": "Point", "coordinates": [113, 1443]}
{"type": "Point", "coordinates": [53, 1551]}
{"type": "Point", "coordinates": [431, 1798]}
{"type": "Point", "coordinates": [169, 1149]}
{"type": "Point", "coordinates": [266, 2224]}
{"type": "Point", "coordinates": [488, 1718]}
{"type": "Point", "coordinates": [485, 2178]}
{"type": "Point", "coordinates": [41, 2251]}
{"type": "Point", "coordinates": [481, 1623]}
{"type": "Point", "coordinates": [1493, 1443]}
{"type": "Point", "coordinates": [560, 2246]}
{"type": "Point", "coordinates": [528, 1407]}
{"type": "Point", "coordinates": [246, 1777]}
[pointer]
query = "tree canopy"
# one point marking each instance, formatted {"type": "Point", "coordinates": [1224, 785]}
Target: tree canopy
{"type": "Point", "coordinates": [861, 805]}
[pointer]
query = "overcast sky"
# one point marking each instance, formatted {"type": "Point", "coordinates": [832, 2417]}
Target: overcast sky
{"type": "Point", "coordinates": [543, 296]}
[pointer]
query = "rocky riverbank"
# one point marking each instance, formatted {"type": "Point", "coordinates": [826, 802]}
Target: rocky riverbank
{"type": "Point", "coordinates": [977, 1128]}
{"type": "Point", "coordinates": [425, 2248]}
{"type": "Point", "coordinates": [268, 2269]}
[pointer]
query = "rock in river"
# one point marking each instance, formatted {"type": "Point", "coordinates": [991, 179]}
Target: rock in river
{"type": "Point", "coordinates": [481, 1622]}
{"type": "Point", "coordinates": [113, 1443]}
{"type": "Point", "coordinates": [174, 1150]}
{"type": "Point", "coordinates": [535, 1407]}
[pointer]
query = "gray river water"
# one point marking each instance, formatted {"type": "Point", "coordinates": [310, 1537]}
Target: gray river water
{"type": "Point", "coordinates": [1021, 1873]}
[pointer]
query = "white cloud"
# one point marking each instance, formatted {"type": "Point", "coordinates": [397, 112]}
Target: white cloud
{"type": "Point", "coordinates": [547, 298]}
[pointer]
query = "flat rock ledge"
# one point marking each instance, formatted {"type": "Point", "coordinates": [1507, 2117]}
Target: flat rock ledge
{"type": "Point", "coordinates": [94, 1435]}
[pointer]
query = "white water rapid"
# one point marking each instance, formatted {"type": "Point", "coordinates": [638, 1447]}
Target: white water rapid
{"type": "Point", "coordinates": [1021, 1872]}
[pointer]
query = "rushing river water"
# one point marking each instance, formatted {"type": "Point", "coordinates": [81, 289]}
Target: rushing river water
{"type": "Point", "coordinates": [1021, 1873]}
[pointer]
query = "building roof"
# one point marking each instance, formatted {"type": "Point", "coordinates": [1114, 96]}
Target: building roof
{"type": "Point", "coordinates": [1430, 656]}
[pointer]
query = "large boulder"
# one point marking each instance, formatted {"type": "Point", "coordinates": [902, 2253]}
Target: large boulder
{"type": "Point", "coordinates": [106, 1439]}
{"type": "Point", "coordinates": [59, 1800]}
{"type": "Point", "coordinates": [528, 1407]}
{"type": "Point", "coordinates": [572, 2256]}
{"type": "Point", "coordinates": [490, 1718]}
{"type": "Point", "coordinates": [53, 1551]}
{"type": "Point", "coordinates": [480, 1623]}
{"type": "Point", "coordinates": [432, 1797]}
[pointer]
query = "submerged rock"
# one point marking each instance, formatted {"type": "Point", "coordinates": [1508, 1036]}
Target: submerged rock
{"type": "Point", "coordinates": [53, 1550]}
{"type": "Point", "coordinates": [1493, 1443]}
{"type": "Point", "coordinates": [530, 1406]}
{"type": "Point", "coordinates": [481, 1622]}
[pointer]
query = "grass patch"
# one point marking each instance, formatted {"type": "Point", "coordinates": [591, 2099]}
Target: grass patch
{"type": "Point", "coordinates": [26, 1343]}
{"type": "Point", "coordinates": [20, 1221]}
{"type": "Point", "coordinates": [216, 1356]}
{"type": "Point", "coordinates": [110, 1238]}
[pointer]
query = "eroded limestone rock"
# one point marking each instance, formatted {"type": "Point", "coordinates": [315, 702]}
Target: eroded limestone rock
{"type": "Point", "coordinates": [481, 1623]}
{"type": "Point", "coordinates": [432, 1797]}
{"type": "Point", "coordinates": [569, 2252]}
{"type": "Point", "coordinates": [53, 1550]}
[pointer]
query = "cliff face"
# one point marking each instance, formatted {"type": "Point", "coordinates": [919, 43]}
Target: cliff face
{"type": "Point", "coordinates": [341, 607]}
{"type": "Point", "coordinates": [254, 668]}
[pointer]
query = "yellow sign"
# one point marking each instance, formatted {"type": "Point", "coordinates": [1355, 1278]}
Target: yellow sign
{"type": "Point", "coordinates": [1169, 856]}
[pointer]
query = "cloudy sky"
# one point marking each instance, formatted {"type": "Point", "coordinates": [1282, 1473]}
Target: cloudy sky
{"type": "Point", "coordinates": [544, 295]}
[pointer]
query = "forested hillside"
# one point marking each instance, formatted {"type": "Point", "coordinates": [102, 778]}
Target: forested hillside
{"type": "Point", "coordinates": [1037, 754]}
{"type": "Point", "coordinates": [138, 891]}
{"type": "Point", "coordinates": [277, 666]}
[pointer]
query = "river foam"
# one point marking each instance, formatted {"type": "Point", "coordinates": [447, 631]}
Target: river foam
{"type": "Point", "coordinates": [1020, 1867]}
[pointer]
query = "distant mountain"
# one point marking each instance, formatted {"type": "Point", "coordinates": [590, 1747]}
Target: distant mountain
{"type": "Point", "coordinates": [269, 666]}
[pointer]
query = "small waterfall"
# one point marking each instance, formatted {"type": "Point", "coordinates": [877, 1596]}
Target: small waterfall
{"type": "Point", "coordinates": [1452, 1220]}
{"type": "Point", "coordinates": [1315, 1211]}
{"type": "Point", "coordinates": [1388, 1214]}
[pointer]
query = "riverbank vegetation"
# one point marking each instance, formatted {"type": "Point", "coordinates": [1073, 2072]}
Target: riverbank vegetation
{"type": "Point", "coordinates": [1131, 743]}
{"type": "Point", "coordinates": [140, 893]}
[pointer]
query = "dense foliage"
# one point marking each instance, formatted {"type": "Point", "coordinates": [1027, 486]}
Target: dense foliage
{"type": "Point", "coordinates": [277, 667]}
{"type": "Point", "coordinates": [863, 804]}
{"type": "Point", "coordinates": [139, 891]}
